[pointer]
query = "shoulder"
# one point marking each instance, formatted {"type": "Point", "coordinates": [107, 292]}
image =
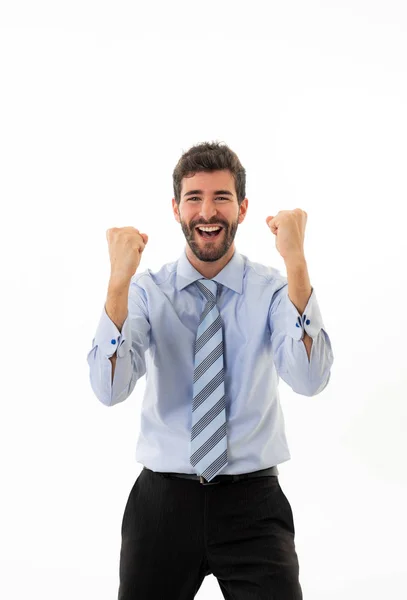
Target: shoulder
{"type": "Point", "coordinates": [149, 279]}
{"type": "Point", "coordinates": [263, 274]}
{"type": "Point", "coordinates": [146, 286]}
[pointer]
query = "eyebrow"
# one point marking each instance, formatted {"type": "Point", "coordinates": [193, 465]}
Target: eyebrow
{"type": "Point", "coordinates": [224, 192]}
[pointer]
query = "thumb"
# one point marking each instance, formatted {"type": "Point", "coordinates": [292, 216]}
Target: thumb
{"type": "Point", "coordinates": [268, 219]}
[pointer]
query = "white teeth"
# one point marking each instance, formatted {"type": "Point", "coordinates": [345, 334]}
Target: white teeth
{"type": "Point", "coordinates": [209, 228]}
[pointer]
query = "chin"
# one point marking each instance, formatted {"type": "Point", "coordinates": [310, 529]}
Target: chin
{"type": "Point", "coordinates": [210, 255]}
{"type": "Point", "coordinates": [208, 258]}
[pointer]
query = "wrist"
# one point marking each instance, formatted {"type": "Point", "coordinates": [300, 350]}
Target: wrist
{"type": "Point", "coordinates": [119, 283]}
{"type": "Point", "coordinates": [295, 261]}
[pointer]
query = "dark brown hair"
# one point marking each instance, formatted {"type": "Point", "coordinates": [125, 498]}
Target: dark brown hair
{"type": "Point", "coordinates": [209, 156]}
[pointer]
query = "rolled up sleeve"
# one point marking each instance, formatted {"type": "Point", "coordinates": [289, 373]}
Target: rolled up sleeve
{"type": "Point", "coordinates": [130, 346]}
{"type": "Point", "coordinates": [287, 325]}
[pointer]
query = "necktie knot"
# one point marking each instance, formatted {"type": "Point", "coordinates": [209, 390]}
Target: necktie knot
{"type": "Point", "coordinates": [209, 288]}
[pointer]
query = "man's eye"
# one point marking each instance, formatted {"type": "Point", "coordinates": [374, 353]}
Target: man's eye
{"type": "Point", "coordinates": [218, 198]}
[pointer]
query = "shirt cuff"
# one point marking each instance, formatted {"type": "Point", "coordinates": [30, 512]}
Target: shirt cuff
{"type": "Point", "coordinates": [108, 337]}
{"type": "Point", "coordinates": [309, 322]}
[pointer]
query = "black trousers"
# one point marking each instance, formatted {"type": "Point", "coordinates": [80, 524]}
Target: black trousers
{"type": "Point", "coordinates": [176, 531]}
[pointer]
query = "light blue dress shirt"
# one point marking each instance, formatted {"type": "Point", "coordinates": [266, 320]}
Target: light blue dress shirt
{"type": "Point", "coordinates": [262, 334]}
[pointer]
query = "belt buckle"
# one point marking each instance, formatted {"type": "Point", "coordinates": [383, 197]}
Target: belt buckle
{"type": "Point", "coordinates": [204, 482]}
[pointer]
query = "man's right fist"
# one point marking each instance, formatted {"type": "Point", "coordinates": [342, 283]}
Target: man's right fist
{"type": "Point", "coordinates": [126, 245]}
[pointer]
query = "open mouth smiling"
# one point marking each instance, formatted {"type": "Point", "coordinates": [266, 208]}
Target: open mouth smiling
{"type": "Point", "coordinates": [209, 232]}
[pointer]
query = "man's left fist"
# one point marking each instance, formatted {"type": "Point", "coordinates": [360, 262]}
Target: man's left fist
{"type": "Point", "coordinates": [289, 228]}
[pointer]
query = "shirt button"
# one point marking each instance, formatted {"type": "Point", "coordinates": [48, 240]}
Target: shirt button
{"type": "Point", "coordinates": [113, 342]}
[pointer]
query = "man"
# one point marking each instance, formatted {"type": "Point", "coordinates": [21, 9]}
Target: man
{"type": "Point", "coordinates": [213, 331]}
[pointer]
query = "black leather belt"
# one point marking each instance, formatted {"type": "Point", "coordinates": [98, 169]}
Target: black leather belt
{"type": "Point", "coordinates": [220, 478]}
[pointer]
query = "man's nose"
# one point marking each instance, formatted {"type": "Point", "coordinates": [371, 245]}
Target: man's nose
{"type": "Point", "coordinates": [208, 209]}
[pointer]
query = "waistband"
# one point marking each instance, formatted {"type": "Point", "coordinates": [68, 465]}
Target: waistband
{"type": "Point", "coordinates": [271, 471]}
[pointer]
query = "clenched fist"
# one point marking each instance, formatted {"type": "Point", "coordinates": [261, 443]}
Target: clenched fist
{"type": "Point", "coordinates": [126, 245]}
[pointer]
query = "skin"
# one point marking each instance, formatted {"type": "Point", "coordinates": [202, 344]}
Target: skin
{"type": "Point", "coordinates": [210, 256]}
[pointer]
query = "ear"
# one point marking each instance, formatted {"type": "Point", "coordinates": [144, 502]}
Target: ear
{"type": "Point", "coordinates": [175, 209]}
{"type": "Point", "coordinates": [243, 210]}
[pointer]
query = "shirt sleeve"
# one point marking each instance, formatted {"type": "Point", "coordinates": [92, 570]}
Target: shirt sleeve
{"type": "Point", "coordinates": [130, 346]}
{"type": "Point", "coordinates": [287, 325]}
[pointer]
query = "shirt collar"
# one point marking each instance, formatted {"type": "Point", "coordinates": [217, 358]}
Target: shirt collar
{"type": "Point", "coordinates": [231, 275]}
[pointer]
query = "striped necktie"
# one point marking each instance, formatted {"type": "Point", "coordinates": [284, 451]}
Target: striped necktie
{"type": "Point", "coordinates": [208, 435]}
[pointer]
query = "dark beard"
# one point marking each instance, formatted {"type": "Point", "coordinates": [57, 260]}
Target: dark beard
{"type": "Point", "coordinates": [213, 252]}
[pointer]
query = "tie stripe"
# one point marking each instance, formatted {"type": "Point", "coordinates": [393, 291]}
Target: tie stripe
{"type": "Point", "coordinates": [207, 310]}
{"type": "Point", "coordinates": [208, 362]}
{"type": "Point", "coordinates": [208, 417]}
{"type": "Point", "coordinates": [216, 466]}
{"type": "Point", "coordinates": [208, 390]}
{"type": "Point", "coordinates": [208, 431]}
{"type": "Point", "coordinates": [206, 336]}
{"type": "Point", "coordinates": [209, 444]}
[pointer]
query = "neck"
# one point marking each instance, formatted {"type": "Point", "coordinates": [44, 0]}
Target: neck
{"type": "Point", "coordinates": [209, 269]}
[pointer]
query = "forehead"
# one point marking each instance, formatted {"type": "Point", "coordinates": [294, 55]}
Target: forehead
{"type": "Point", "coordinates": [209, 182]}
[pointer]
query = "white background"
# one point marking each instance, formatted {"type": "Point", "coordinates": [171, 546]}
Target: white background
{"type": "Point", "coordinates": [98, 102]}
